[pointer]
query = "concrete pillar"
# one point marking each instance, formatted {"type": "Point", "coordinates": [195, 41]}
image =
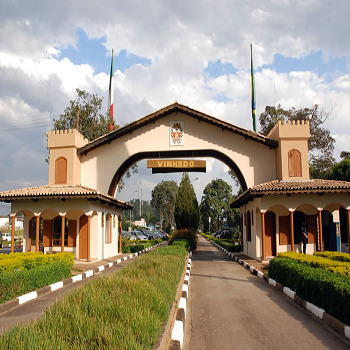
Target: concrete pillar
{"type": "Point", "coordinates": [63, 228]}
{"type": "Point", "coordinates": [320, 229]}
{"type": "Point", "coordinates": [37, 228]}
{"type": "Point", "coordinates": [88, 237]}
{"type": "Point", "coordinates": [120, 234]}
{"type": "Point", "coordinates": [291, 220]}
{"type": "Point", "coordinates": [13, 234]}
{"type": "Point", "coordinates": [263, 248]}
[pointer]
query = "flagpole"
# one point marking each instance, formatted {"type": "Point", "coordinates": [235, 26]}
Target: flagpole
{"type": "Point", "coordinates": [253, 88]}
{"type": "Point", "coordinates": [110, 97]}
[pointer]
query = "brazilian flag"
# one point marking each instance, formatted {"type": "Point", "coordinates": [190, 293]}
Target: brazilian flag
{"type": "Point", "coordinates": [253, 89]}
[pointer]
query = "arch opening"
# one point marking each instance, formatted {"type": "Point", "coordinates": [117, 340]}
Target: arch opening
{"type": "Point", "coordinates": [175, 154]}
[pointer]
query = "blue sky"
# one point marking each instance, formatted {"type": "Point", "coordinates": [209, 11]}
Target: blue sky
{"type": "Point", "coordinates": [165, 51]}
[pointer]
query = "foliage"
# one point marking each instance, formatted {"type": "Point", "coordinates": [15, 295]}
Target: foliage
{"type": "Point", "coordinates": [92, 123]}
{"type": "Point", "coordinates": [345, 155]}
{"type": "Point", "coordinates": [319, 262]}
{"type": "Point", "coordinates": [148, 212]}
{"type": "Point", "coordinates": [124, 310]}
{"type": "Point", "coordinates": [186, 205]}
{"type": "Point", "coordinates": [345, 257]}
{"type": "Point", "coordinates": [163, 201]}
{"type": "Point", "coordinates": [185, 234]}
{"type": "Point", "coordinates": [321, 143]}
{"type": "Point", "coordinates": [325, 289]}
{"type": "Point", "coordinates": [229, 246]}
{"type": "Point", "coordinates": [30, 260]}
{"type": "Point", "coordinates": [16, 283]}
{"type": "Point", "coordinates": [341, 170]}
{"type": "Point", "coordinates": [216, 200]}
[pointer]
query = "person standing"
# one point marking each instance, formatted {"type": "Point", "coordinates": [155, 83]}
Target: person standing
{"type": "Point", "coordinates": [304, 236]}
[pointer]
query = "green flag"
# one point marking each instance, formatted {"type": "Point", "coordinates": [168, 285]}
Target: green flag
{"type": "Point", "coordinates": [253, 89]}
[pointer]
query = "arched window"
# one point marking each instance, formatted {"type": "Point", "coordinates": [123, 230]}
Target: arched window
{"type": "Point", "coordinates": [57, 232]}
{"type": "Point", "coordinates": [61, 170]}
{"type": "Point", "coordinates": [108, 228]}
{"type": "Point", "coordinates": [249, 228]}
{"type": "Point", "coordinates": [252, 218]}
{"type": "Point", "coordinates": [294, 163]}
{"type": "Point", "coordinates": [32, 231]}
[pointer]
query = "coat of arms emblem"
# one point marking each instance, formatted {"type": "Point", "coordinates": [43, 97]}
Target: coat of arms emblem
{"type": "Point", "coordinates": [177, 133]}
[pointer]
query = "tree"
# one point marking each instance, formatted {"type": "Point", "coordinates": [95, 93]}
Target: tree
{"type": "Point", "coordinates": [341, 170]}
{"type": "Point", "coordinates": [186, 205]}
{"type": "Point", "coordinates": [321, 143]}
{"type": "Point", "coordinates": [345, 155]}
{"type": "Point", "coordinates": [92, 123]}
{"type": "Point", "coordinates": [163, 201]}
{"type": "Point", "coordinates": [216, 200]}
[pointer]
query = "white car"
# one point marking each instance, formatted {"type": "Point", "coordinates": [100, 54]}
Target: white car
{"type": "Point", "coordinates": [6, 236]}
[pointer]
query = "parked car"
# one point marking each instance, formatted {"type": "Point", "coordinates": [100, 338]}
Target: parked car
{"type": "Point", "coordinates": [7, 236]}
{"type": "Point", "coordinates": [217, 233]}
{"type": "Point", "coordinates": [140, 235]}
{"type": "Point", "coordinates": [148, 234]}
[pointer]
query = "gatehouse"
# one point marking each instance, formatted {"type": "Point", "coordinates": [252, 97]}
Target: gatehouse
{"type": "Point", "coordinates": [78, 211]}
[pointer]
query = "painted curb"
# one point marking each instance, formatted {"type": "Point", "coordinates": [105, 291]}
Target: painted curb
{"type": "Point", "coordinates": [177, 334]}
{"type": "Point", "coordinates": [315, 310]}
{"type": "Point", "coordinates": [22, 299]}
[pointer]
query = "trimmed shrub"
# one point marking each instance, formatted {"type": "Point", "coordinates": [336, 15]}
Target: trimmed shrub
{"type": "Point", "coordinates": [228, 245]}
{"type": "Point", "coordinates": [182, 242]}
{"type": "Point", "coordinates": [13, 284]}
{"type": "Point", "coordinates": [27, 261]}
{"type": "Point", "coordinates": [186, 234]}
{"type": "Point", "coordinates": [320, 262]}
{"type": "Point", "coordinates": [344, 257]}
{"type": "Point", "coordinates": [323, 288]}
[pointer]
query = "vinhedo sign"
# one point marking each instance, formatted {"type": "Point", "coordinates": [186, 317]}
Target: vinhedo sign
{"type": "Point", "coordinates": [175, 163]}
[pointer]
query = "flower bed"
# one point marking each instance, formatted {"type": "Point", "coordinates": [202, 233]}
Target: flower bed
{"type": "Point", "coordinates": [334, 266]}
{"type": "Point", "coordinates": [344, 257]}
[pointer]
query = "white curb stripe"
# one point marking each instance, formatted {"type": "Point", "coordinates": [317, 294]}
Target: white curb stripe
{"type": "Point", "coordinates": [131, 256]}
{"type": "Point", "coordinates": [289, 292]}
{"type": "Point", "coordinates": [272, 282]}
{"type": "Point", "coordinates": [188, 271]}
{"type": "Point", "coordinates": [27, 297]}
{"type": "Point", "coordinates": [110, 264]}
{"type": "Point", "coordinates": [178, 332]}
{"type": "Point", "coordinates": [315, 310]}
{"type": "Point", "coordinates": [182, 304]}
{"type": "Point", "coordinates": [244, 264]}
{"type": "Point", "coordinates": [260, 274]}
{"type": "Point", "coordinates": [185, 288]}
{"type": "Point", "coordinates": [251, 268]}
{"type": "Point", "coordinates": [347, 331]}
{"type": "Point", "coordinates": [119, 261]}
{"type": "Point", "coordinates": [77, 278]}
{"type": "Point", "coordinates": [100, 268]}
{"type": "Point", "coordinates": [125, 258]}
{"type": "Point", "coordinates": [187, 278]}
{"type": "Point", "coordinates": [55, 286]}
{"type": "Point", "coordinates": [89, 273]}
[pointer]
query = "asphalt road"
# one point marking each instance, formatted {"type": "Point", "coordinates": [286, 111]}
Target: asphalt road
{"type": "Point", "coordinates": [228, 308]}
{"type": "Point", "coordinates": [7, 250]}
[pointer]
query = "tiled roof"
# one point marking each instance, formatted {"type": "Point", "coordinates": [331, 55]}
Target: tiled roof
{"type": "Point", "coordinates": [292, 187]}
{"type": "Point", "coordinates": [60, 191]}
{"type": "Point", "coordinates": [177, 107]}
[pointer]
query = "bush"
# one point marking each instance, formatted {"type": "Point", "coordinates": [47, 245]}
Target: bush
{"type": "Point", "coordinates": [124, 310]}
{"type": "Point", "coordinates": [30, 260]}
{"type": "Point", "coordinates": [182, 242]}
{"type": "Point", "coordinates": [344, 257]}
{"type": "Point", "coordinates": [323, 288]}
{"type": "Point", "coordinates": [229, 246]}
{"type": "Point", "coordinates": [189, 235]}
{"type": "Point", "coordinates": [320, 262]}
{"type": "Point", "coordinates": [13, 284]}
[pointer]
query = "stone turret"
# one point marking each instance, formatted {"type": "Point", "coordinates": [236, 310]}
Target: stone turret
{"type": "Point", "coordinates": [65, 163]}
{"type": "Point", "coordinates": [292, 159]}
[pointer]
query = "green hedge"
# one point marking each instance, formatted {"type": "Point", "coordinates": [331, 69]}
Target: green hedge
{"type": "Point", "coordinates": [27, 261]}
{"type": "Point", "coordinates": [323, 288]}
{"type": "Point", "coordinates": [320, 262]}
{"type": "Point", "coordinates": [14, 284]}
{"type": "Point", "coordinates": [124, 310]}
{"type": "Point", "coordinates": [230, 247]}
{"type": "Point", "coordinates": [344, 257]}
{"type": "Point", "coordinates": [186, 234]}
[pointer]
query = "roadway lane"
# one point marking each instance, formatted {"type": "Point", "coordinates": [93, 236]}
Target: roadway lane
{"type": "Point", "coordinates": [228, 308]}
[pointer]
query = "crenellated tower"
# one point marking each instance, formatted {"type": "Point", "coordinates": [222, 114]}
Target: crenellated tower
{"type": "Point", "coordinates": [65, 166]}
{"type": "Point", "coordinates": [292, 159]}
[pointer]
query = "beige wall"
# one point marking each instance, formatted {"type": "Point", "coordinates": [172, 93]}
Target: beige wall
{"type": "Point", "coordinates": [64, 143]}
{"type": "Point", "coordinates": [256, 161]}
{"type": "Point", "coordinates": [291, 135]}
